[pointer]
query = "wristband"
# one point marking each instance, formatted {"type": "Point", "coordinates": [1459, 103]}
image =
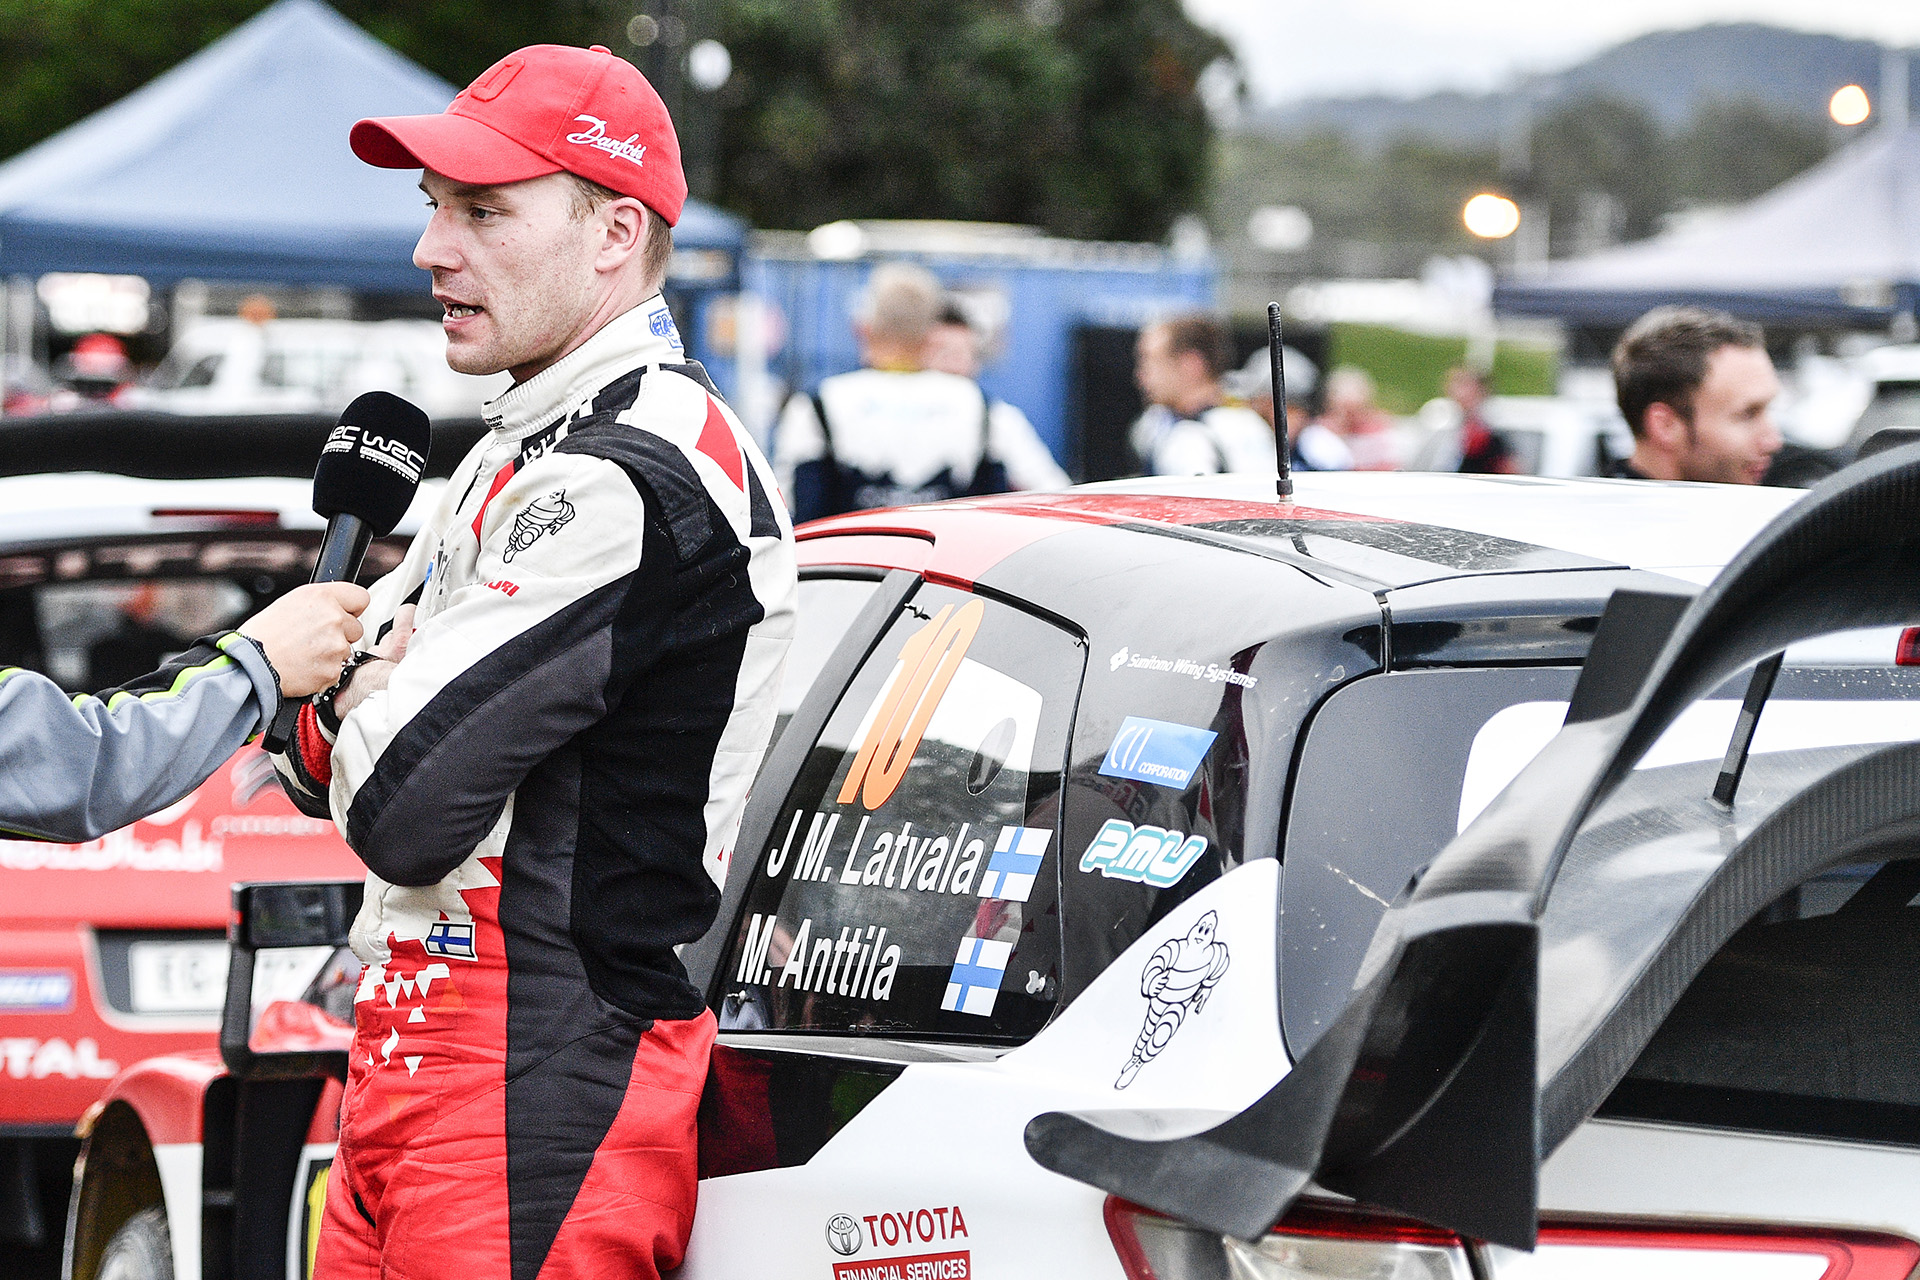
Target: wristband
{"type": "Point", "coordinates": [323, 701]}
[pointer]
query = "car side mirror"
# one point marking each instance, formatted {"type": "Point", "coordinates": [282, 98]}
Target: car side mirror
{"type": "Point", "coordinates": [291, 980]}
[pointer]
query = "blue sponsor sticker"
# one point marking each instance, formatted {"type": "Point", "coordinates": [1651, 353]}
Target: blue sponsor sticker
{"type": "Point", "coordinates": [662, 326]}
{"type": "Point", "coordinates": [1158, 752]}
{"type": "Point", "coordinates": [35, 990]}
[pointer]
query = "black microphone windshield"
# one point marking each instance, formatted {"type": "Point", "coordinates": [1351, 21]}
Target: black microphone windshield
{"type": "Point", "coordinates": [372, 462]}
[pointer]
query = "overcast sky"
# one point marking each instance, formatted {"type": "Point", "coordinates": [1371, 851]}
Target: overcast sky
{"type": "Point", "coordinates": [1310, 48]}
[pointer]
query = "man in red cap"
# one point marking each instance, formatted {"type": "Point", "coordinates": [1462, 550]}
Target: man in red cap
{"type": "Point", "coordinates": [544, 759]}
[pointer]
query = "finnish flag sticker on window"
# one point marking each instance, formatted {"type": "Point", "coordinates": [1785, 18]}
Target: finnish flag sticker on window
{"type": "Point", "coordinates": [446, 938]}
{"type": "Point", "coordinates": [974, 984]}
{"type": "Point", "coordinates": [1157, 752]}
{"type": "Point", "coordinates": [1015, 863]}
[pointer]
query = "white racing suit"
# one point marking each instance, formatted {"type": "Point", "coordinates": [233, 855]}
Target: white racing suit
{"type": "Point", "coordinates": [546, 796]}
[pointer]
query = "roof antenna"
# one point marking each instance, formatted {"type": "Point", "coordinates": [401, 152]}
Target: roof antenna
{"type": "Point", "coordinates": [1283, 446]}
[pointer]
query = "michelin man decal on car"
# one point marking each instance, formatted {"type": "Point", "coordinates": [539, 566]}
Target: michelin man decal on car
{"type": "Point", "coordinates": [1175, 981]}
{"type": "Point", "coordinates": [550, 514]}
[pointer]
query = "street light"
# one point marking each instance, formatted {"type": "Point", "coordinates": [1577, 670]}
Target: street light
{"type": "Point", "coordinates": [1849, 105]}
{"type": "Point", "coordinates": [1490, 216]}
{"type": "Point", "coordinates": [709, 65]}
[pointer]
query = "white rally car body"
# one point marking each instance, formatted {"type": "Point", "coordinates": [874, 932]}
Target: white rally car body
{"type": "Point", "coordinates": [1250, 743]}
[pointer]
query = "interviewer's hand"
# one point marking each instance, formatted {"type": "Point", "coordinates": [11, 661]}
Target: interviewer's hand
{"type": "Point", "coordinates": [307, 633]}
{"type": "Point", "coordinates": [373, 676]}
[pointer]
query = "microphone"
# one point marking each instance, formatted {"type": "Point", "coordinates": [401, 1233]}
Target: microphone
{"type": "Point", "coordinates": [363, 484]}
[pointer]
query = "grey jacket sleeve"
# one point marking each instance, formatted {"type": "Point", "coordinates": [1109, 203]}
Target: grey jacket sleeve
{"type": "Point", "coordinates": [75, 768]}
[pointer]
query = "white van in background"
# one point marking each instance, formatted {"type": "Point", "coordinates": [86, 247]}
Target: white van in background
{"type": "Point", "coordinates": [224, 364]}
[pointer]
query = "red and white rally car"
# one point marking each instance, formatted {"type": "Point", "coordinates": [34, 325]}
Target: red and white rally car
{"type": "Point", "coordinates": [114, 951]}
{"type": "Point", "coordinates": [1253, 891]}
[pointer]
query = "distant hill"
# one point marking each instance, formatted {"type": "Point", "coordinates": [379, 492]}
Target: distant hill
{"type": "Point", "coordinates": [1671, 73]}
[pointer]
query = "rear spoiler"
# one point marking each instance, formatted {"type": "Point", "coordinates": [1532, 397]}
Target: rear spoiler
{"type": "Point", "coordinates": [1429, 1094]}
{"type": "Point", "coordinates": [178, 446]}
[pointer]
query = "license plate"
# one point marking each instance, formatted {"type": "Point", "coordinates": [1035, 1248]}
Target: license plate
{"type": "Point", "coordinates": [177, 977]}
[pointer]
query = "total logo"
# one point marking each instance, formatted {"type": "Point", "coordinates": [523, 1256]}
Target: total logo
{"type": "Point", "coordinates": [27, 1058]}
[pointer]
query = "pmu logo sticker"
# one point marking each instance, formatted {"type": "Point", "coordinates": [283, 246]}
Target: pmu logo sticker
{"type": "Point", "coordinates": [35, 991]}
{"type": "Point", "coordinates": [928, 661]}
{"type": "Point", "coordinates": [1176, 981]}
{"type": "Point", "coordinates": [1156, 751]}
{"type": "Point", "coordinates": [550, 514]}
{"type": "Point", "coordinates": [1145, 855]}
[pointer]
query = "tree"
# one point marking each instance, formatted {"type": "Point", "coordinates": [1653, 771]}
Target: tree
{"type": "Point", "coordinates": [1733, 151]}
{"type": "Point", "coordinates": [1600, 146]}
{"type": "Point", "coordinates": [1381, 212]}
{"type": "Point", "coordinates": [1082, 116]}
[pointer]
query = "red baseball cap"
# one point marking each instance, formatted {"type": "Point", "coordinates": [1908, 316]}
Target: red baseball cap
{"type": "Point", "coordinates": [537, 111]}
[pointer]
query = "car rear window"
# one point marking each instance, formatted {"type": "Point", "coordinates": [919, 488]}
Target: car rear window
{"type": "Point", "coordinates": [1396, 765]}
{"type": "Point", "coordinates": [827, 607]}
{"type": "Point", "coordinates": [1807, 1021]}
{"type": "Point", "coordinates": [95, 614]}
{"type": "Point", "coordinates": [911, 883]}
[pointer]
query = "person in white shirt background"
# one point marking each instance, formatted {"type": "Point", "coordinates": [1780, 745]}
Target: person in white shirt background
{"type": "Point", "coordinates": [1315, 446]}
{"type": "Point", "coordinates": [900, 430]}
{"type": "Point", "coordinates": [1180, 365]}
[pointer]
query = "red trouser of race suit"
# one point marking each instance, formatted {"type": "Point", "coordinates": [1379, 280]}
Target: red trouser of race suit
{"type": "Point", "coordinates": [438, 1178]}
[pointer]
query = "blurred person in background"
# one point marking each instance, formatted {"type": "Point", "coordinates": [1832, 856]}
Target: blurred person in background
{"type": "Point", "coordinates": [954, 346]}
{"type": "Point", "coordinates": [1483, 450]}
{"type": "Point", "coordinates": [1180, 365]}
{"type": "Point", "coordinates": [1312, 446]}
{"type": "Point", "coordinates": [1352, 415]}
{"type": "Point", "coordinates": [92, 374]}
{"type": "Point", "coordinates": [1695, 387]}
{"type": "Point", "coordinates": [897, 431]}
{"type": "Point", "coordinates": [140, 639]}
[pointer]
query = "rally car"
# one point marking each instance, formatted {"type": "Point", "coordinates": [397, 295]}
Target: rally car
{"type": "Point", "coordinates": [114, 951]}
{"type": "Point", "coordinates": [1162, 880]}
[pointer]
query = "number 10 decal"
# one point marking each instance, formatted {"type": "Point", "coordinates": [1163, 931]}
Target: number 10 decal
{"type": "Point", "coordinates": [928, 661]}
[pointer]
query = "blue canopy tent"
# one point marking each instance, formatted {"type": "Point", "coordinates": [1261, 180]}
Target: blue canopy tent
{"type": "Point", "coordinates": [234, 166]}
{"type": "Point", "coordinates": [1837, 246]}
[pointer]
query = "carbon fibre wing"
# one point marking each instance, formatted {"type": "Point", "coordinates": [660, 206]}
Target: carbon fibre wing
{"type": "Point", "coordinates": [1502, 998]}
